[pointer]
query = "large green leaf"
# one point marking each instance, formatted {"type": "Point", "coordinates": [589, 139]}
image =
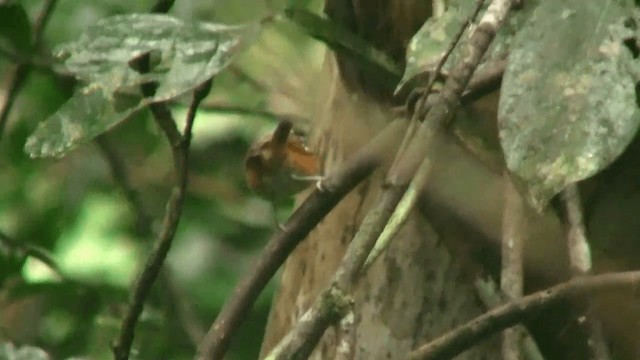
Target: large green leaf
{"type": "Point", "coordinates": [184, 55]}
{"type": "Point", "coordinates": [568, 102]}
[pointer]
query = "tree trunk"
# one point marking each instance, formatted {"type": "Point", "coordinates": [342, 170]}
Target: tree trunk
{"type": "Point", "coordinates": [415, 291]}
{"type": "Point", "coordinates": [422, 285]}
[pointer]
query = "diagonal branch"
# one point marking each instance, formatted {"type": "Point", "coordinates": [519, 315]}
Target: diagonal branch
{"type": "Point", "coordinates": [492, 297]}
{"type": "Point", "coordinates": [403, 208]}
{"type": "Point", "coordinates": [301, 222]}
{"type": "Point", "coordinates": [179, 144]}
{"type": "Point", "coordinates": [35, 252]}
{"type": "Point", "coordinates": [514, 222]}
{"type": "Point", "coordinates": [580, 264]}
{"type": "Point", "coordinates": [465, 336]}
{"type": "Point", "coordinates": [305, 218]}
{"type": "Point", "coordinates": [180, 151]}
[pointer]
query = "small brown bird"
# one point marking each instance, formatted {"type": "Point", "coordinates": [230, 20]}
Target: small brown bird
{"type": "Point", "coordinates": [279, 166]}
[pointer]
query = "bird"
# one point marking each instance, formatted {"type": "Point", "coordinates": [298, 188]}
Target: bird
{"type": "Point", "coordinates": [279, 165]}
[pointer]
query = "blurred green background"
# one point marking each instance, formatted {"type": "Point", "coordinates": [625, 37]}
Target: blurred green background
{"type": "Point", "coordinates": [72, 209]}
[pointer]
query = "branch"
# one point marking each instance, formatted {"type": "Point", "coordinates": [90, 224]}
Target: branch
{"type": "Point", "coordinates": [301, 222]}
{"type": "Point", "coordinates": [463, 337]}
{"type": "Point", "coordinates": [180, 151]}
{"type": "Point", "coordinates": [35, 252]}
{"type": "Point", "coordinates": [434, 75]}
{"type": "Point", "coordinates": [306, 333]}
{"type": "Point", "coordinates": [330, 307]}
{"type": "Point", "coordinates": [485, 82]}
{"type": "Point", "coordinates": [492, 297]}
{"type": "Point", "coordinates": [404, 207]}
{"type": "Point", "coordinates": [578, 246]}
{"type": "Point", "coordinates": [175, 301]}
{"type": "Point", "coordinates": [17, 78]}
{"type": "Point", "coordinates": [580, 263]}
{"type": "Point", "coordinates": [512, 273]}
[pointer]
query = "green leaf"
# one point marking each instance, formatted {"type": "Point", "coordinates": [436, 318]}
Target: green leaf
{"type": "Point", "coordinates": [430, 42]}
{"type": "Point", "coordinates": [568, 101]}
{"type": "Point", "coordinates": [90, 112]}
{"type": "Point", "coordinates": [185, 54]}
{"type": "Point", "coordinates": [15, 26]}
{"type": "Point", "coordinates": [428, 45]}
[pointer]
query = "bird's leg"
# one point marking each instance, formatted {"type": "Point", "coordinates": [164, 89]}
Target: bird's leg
{"type": "Point", "coordinates": [274, 212]}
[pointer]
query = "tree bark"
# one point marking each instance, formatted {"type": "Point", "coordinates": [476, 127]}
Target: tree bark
{"type": "Point", "coordinates": [416, 290]}
{"type": "Point", "coordinates": [423, 284]}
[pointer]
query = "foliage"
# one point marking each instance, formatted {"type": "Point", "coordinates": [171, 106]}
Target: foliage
{"type": "Point", "coordinates": [568, 103]}
{"type": "Point", "coordinates": [73, 239]}
{"type": "Point", "coordinates": [72, 211]}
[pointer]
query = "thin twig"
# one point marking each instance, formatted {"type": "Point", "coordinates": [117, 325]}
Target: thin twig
{"type": "Point", "coordinates": [460, 339]}
{"type": "Point", "coordinates": [492, 297]}
{"type": "Point", "coordinates": [578, 246]}
{"type": "Point", "coordinates": [28, 250]}
{"type": "Point", "coordinates": [301, 222]}
{"type": "Point", "coordinates": [330, 306]}
{"type": "Point", "coordinates": [421, 177]}
{"type": "Point", "coordinates": [174, 299]}
{"type": "Point", "coordinates": [485, 82]}
{"type": "Point", "coordinates": [19, 75]}
{"type": "Point", "coordinates": [179, 144]}
{"type": "Point", "coordinates": [580, 264]}
{"type": "Point", "coordinates": [512, 274]}
{"type": "Point", "coordinates": [180, 151]}
{"type": "Point", "coordinates": [452, 45]}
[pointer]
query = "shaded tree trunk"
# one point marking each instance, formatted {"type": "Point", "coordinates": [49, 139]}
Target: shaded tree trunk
{"type": "Point", "coordinates": [418, 288]}
{"type": "Point", "coordinates": [422, 285]}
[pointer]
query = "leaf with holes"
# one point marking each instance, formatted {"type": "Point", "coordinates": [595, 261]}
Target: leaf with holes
{"type": "Point", "coordinates": [182, 56]}
{"type": "Point", "coordinates": [568, 103]}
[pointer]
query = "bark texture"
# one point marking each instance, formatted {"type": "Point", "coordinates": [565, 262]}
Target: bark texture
{"type": "Point", "coordinates": [413, 292]}
{"type": "Point", "coordinates": [422, 285]}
